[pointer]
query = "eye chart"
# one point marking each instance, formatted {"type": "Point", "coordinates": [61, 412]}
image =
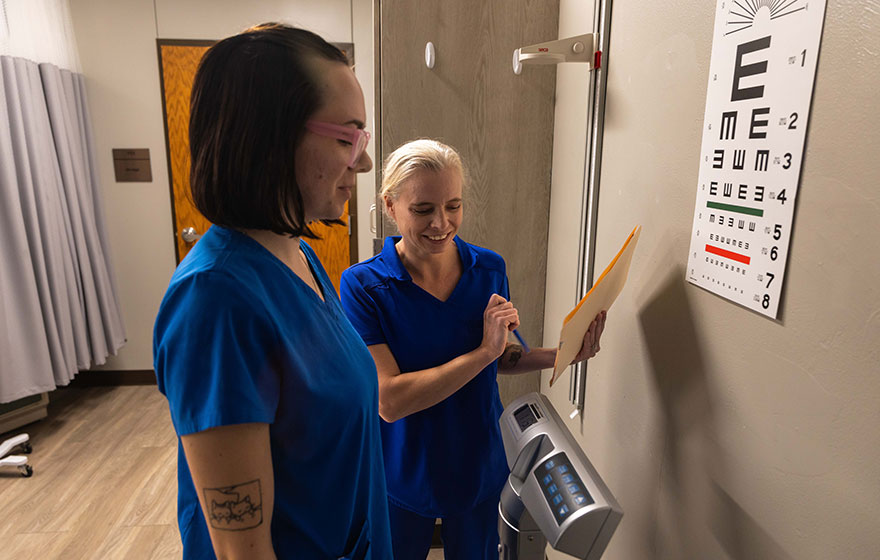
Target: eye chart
{"type": "Point", "coordinates": [764, 55]}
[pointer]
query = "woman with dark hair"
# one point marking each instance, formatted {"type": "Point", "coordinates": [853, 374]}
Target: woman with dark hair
{"type": "Point", "coordinates": [272, 393]}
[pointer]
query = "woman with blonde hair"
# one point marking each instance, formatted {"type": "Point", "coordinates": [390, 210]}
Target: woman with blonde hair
{"type": "Point", "coordinates": [435, 313]}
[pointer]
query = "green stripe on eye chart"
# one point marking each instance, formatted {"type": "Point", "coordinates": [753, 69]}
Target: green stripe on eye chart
{"type": "Point", "coordinates": [732, 208]}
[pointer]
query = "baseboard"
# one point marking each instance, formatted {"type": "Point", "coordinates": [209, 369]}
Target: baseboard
{"type": "Point", "coordinates": [101, 378]}
{"type": "Point", "coordinates": [16, 417]}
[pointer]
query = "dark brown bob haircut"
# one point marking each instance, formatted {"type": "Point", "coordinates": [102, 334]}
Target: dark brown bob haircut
{"type": "Point", "coordinates": [251, 98]}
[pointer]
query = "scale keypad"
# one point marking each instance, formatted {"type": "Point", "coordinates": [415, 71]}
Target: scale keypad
{"type": "Point", "coordinates": [562, 487]}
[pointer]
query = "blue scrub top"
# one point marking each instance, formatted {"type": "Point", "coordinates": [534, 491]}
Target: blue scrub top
{"type": "Point", "coordinates": [446, 459]}
{"type": "Point", "coordinates": [240, 338]}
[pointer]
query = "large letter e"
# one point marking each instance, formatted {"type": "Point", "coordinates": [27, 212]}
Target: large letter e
{"type": "Point", "coordinates": [740, 71]}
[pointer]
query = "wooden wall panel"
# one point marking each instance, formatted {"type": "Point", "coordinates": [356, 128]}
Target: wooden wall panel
{"type": "Point", "coordinates": [179, 64]}
{"type": "Point", "coordinates": [501, 123]}
{"type": "Point", "coordinates": [333, 248]}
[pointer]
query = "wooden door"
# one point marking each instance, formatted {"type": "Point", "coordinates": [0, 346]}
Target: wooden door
{"type": "Point", "coordinates": [178, 62]}
{"type": "Point", "coordinates": [501, 123]}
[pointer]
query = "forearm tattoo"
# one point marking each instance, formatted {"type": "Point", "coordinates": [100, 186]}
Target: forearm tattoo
{"type": "Point", "coordinates": [235, 508]}
{"type": "Point", "coordinates": [511, 355]}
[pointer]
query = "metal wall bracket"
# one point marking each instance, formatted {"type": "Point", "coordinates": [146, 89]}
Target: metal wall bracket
{"type": "Point", "coordinates": [581, 48]}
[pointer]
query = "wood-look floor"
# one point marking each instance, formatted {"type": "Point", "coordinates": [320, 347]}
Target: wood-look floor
{"type": "Point", "coordinates": [104, 484]}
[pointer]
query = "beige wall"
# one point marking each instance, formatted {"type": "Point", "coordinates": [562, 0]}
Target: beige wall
{"type": "Point", "coordinates": [722, 433]}
{"type": "Point", "coordinates": [117, 44]}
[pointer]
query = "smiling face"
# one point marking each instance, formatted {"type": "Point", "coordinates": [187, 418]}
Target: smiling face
{"type": "Point", "coordinates": [322, 173]}
{"type": "Point", "coordinates": [428, 211]}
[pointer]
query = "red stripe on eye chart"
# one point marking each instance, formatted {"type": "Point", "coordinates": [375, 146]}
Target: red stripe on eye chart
{"type": "Point", "coordinates": [728, 254]}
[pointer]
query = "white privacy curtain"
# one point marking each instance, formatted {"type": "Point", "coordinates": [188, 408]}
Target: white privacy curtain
{"type": "Point", "coordinates": [39, 30]}
{"type": "Point", "coordinates": [59, 312]}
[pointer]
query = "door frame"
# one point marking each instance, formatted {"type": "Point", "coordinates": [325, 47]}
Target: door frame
{"type": "Point", "coordinates": [379, 228]}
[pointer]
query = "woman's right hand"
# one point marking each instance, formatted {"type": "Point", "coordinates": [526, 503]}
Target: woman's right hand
{"type": "Point", "coordinates": [499, 318]}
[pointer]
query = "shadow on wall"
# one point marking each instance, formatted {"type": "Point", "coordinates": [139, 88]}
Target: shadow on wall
{"type": "Point", "coordinates": [678, 370]}
{"type": "Point", "coordinates": [677, 361]}
{"type": "Point", "coordinates": [694, 469]}
{"type": "Point", "coordinates": [739, 534]}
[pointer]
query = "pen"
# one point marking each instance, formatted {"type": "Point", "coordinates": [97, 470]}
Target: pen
{"type": "Point", "coordinates": [521, 340]}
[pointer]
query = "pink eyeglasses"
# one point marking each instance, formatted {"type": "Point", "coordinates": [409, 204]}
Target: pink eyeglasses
{"type": "Point", "coordinates": [357, 137]}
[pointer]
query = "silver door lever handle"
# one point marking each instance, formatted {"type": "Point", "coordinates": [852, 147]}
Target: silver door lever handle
{"type": "Point", "coordinates": [189, 235]}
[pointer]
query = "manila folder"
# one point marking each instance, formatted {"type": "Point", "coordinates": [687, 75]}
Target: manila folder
{"type": "Point", "coordinates": [599, 298]}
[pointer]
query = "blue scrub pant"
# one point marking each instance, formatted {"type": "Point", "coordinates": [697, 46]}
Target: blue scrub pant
{"type": "Point", "coordinates": [472, 535]}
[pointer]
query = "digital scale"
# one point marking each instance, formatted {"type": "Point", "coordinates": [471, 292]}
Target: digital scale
{"type": "Point", "coordinates": [553, 493]}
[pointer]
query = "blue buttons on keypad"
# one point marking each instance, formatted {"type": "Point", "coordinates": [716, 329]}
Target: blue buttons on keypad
{"type": "Point", "coordinates": [561, 487]}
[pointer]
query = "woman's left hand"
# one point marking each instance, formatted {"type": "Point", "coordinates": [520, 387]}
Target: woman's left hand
{"type": "Point", "coordinates": [590, 345]}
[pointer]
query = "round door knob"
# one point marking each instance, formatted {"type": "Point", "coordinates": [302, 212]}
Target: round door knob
{"type": "Point", "coordinates": [189, 235]}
